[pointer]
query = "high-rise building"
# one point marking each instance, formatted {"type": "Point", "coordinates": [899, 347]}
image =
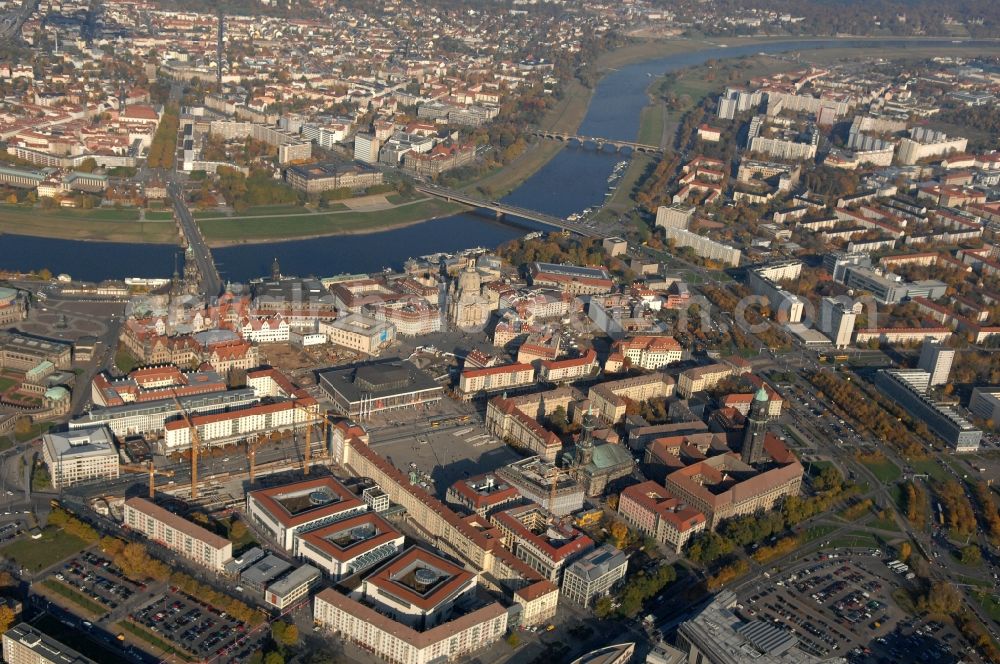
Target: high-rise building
{"type": "Point", "coordinates": [756, 429]}
{"type": "Point", "coordinates": [366, 148]}
{"type": "Point", "coordinates": [837, 321]}
{"type": "Point", "coordinates": [936, 360]}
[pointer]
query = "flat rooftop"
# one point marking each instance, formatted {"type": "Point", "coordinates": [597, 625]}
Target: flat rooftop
{"type": "Point", "coordinates": [420, 578]}
{"type": "Point", "coordinates": [301, 502]}
{"type": "Point", "coordinates": [378, 379]}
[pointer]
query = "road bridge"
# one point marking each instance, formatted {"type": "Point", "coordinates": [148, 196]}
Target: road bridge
{"type": "Point", "coordinates": [505, 209]}
{"type": "Point", "coordinates": [618, 145]}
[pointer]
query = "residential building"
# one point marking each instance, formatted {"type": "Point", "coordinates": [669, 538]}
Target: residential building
{"type": "Point", "coordinates": [177, 534]}
{"type": "Point", "coordinates": [353, 621]}
{"type": "Point", "coordinates": [594, 575]}
{"type": "Point", "coordinates": [568, 370]}
{"type": "Point", "coordinates": [226, 427]}
{"type": "Point", "coordinates": [151, 416]}
{"type": "Point", "coordinates": [482, 494]}
{"type": "Point", "coordinates": [366, 148]}
{"type": "Point", "coordinates": [24, 644]}
{"type": "Point", "coordinates": [453, 535]}
{"type": "Point", "coordinates": [676, 215]}
{"type": "Point", "coordinates": [477, 383]}
{"type": "Point", "coordinates": [702, 246]}
{"type": "Point", "coordinates": [80, 455]}
{"type": "Point", "coordinates": [609, 400]}
{"type": "Point", "coordinates": [837, 320]}
{"type": "Point", "coordinates": [540, 539]}
{"type": "Point", "coordinates": [925, 143]}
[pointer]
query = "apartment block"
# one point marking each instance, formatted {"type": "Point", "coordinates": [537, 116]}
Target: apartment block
{"type": "Point", "coordinates": [177, 534]}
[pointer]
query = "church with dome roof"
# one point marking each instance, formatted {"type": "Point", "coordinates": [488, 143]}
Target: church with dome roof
{"type": "Point", "coordinates": [469, 306]}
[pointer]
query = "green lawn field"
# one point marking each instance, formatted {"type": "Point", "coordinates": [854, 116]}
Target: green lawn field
{"type": "Point", "coordinates": [36, 555]}
{"type": "Point", "coordinates": [277, 227]}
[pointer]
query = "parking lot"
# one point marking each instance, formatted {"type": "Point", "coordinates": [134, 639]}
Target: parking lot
{"type": "Point", "coordinates": [9, 531]}
{"type": "Point", "coordinates": [98, 579]}
{"type": "Point", "coordinates": [842, 605]}
{"type": "Point", "coordinates": [200, 629]}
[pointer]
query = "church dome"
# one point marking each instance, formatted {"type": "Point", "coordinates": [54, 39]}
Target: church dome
{"type": "Point", "coordinates": [468, 281]}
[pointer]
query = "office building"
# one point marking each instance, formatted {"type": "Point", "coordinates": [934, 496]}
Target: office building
{"type": "Point", "coordinates": [359, 333]}
{"type": "Point", "coordinates": [594, 575]}
{"type": "Point", "coordinates": [755, 430]}
{"type": "Point", "coordinates": [936, 360]}
{"type": "Point", "coordinates": [985, 403]}
{"type": "Point", "coordinates": [889, 288]}
{"type": "Point", "coordinates": [837, 320]}
{"type": "Point", "coordinates": [450, 638]}
{"type": "Point", "coordinates": [572, 279]}
{"type": "Point", "coordinates": [292, 587]}
{"type": "Point", "coordinates": [653, 511]}
{"type": "Point", "coordinates": [150, 417]}
{"type": "Point", "coordinates": [80, 455]}
{"type": "Point", "coordinates": [646, 352]}
{"type": "Point", "coordinates": [723, 486]}
{"type": "Point", "coordinates": [24, 644]}
{"type": "Point", "coordinates": [314, 179]}
{"type": "Point", "coordinates": [349, 546]}
{"type": "Point", "coordinates": [942, 419]}
{"type": "Point", "coordinates": [177, 534]}
{"type": "Point", "coordinates": [366, 148]}
{"type": "Point", "coordinates": [544, 483]}
{"type": "Point", "coordinates": [283, 511]}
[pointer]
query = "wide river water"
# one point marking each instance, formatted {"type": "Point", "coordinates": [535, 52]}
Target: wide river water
{"type": "Point", "coordinates": [575, 179]}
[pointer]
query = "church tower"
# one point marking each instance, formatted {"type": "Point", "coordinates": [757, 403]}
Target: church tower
{"type": "Point", "coordinates": [275, 270]}
{"type": "Point", "coordinates": [756, 428]}
{"type": "Point", "coordinates": [585, 446]}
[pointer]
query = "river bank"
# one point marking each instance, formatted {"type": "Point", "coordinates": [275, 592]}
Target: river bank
{"type": "Point", "coordinates": [538, 160]}
{"type": "Point", "coordinates": [226, 232]}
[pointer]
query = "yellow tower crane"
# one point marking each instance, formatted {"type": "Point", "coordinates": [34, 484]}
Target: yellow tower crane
{"type": "Point", "coordinates": [148, 468]}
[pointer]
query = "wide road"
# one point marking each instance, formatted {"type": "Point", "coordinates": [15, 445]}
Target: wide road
{"type": "Point", "coordinates": [211, 282]}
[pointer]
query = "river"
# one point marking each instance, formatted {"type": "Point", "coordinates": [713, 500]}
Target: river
{"type": "Point", "coordinates": [576, 178]}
